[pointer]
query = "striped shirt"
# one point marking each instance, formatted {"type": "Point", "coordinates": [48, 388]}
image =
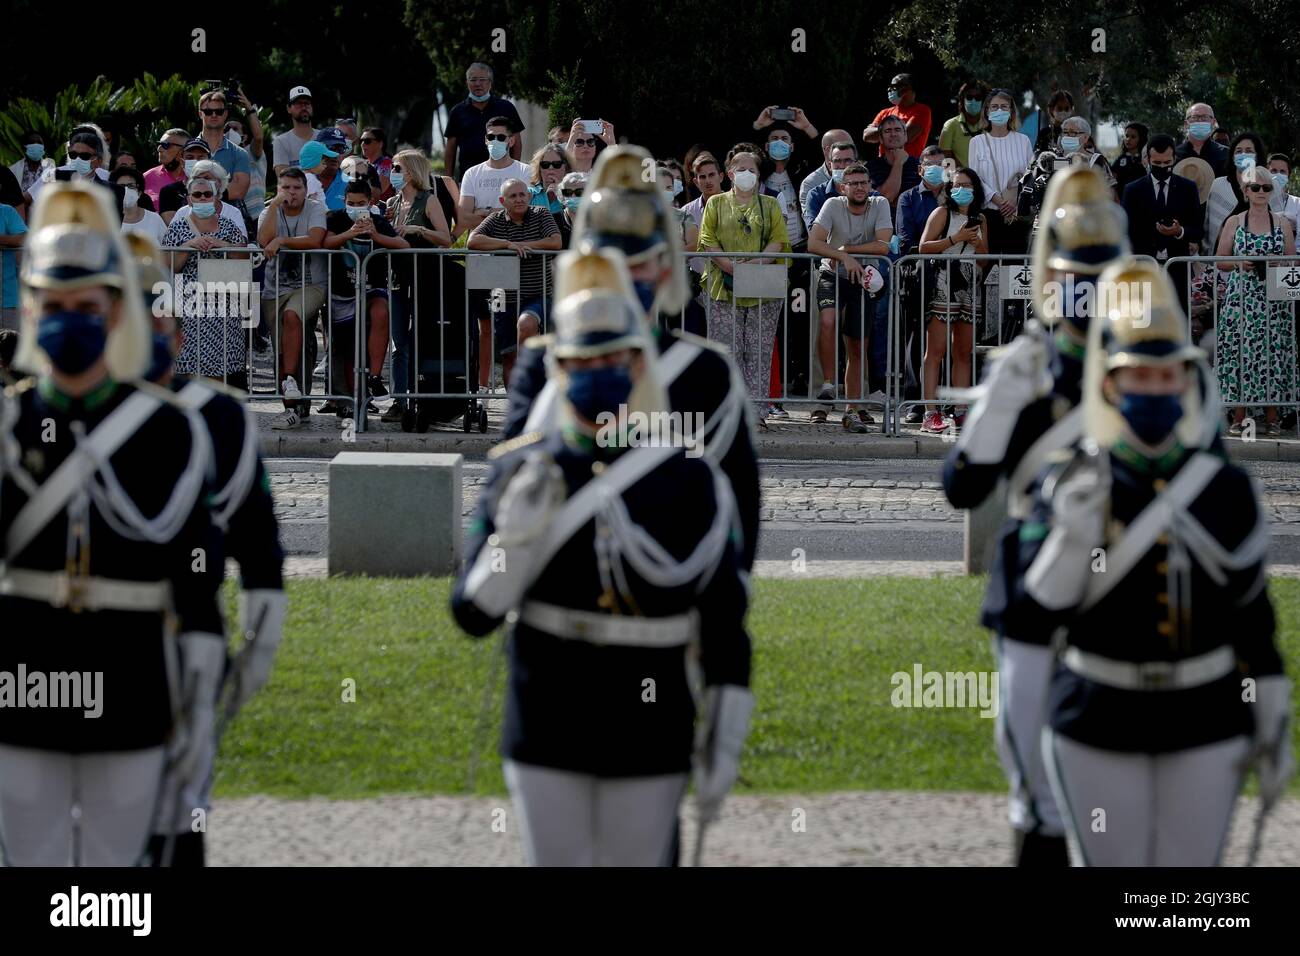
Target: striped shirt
{"type": "Point", "coordinates": [999, 161]}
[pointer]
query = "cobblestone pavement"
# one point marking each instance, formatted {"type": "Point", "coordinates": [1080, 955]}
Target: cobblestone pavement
{"type": "Point", "coordinates": [877, 828]}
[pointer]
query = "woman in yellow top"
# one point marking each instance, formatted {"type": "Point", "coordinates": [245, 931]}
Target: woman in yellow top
{"type": "Point", "coordinates": [743, 221]}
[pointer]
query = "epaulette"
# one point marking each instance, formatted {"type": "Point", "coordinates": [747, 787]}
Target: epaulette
{"type": "Point", "coordinates": [506, 447]}
{"type": "Point", "coordinates": [20, 386]}
{"type": "Point", "coordinates": [701, 341]}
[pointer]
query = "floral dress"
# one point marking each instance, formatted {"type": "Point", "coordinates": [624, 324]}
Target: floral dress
{"type": "Point", "coordinates": [213, 340]}
{"type": "Point", "coordinates": [1255, 348]}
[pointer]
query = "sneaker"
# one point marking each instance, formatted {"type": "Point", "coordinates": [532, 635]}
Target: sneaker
{"type": "Point", "coordinates": [286, 420]}
{"type": "Point", "coordinates": [776, 411]}
{"type": "Point", "coordinates": [914, 415]}
{"type": "Point", "coordinates": [1273, 428]}
{"type": "Point", "coordinates": [393, 414]}
{"type": "Point", "coordinates": [335, 407]}
{"type": "Point", "coordinates": [827, 392]}
{"type": "Point", "coordinates": [375, 386]}
{"type": "Point", "coordinates": [819, 416]}
{"type": "Point", "coordinates": [865, 416]}
{"type": "Point", "coordinates": [852, 423]}
{"type": "Point", "coordinates": [1234, 430]}
{"type": "Point", "coordinates": [933, 422]}
{"type": "Point", "coordinates": [290, 388]}
{"type": "Point", "coordinates": [323, 365]}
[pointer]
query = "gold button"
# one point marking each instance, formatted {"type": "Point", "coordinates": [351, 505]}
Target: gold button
{"type": "Point", "coordinates": [1162, 567]}
{"type": "Point", "coordinates": [1162, 598]}
{"type": "Point", "coordinates": [597, 467]}
{"type": "Point", "coordinates": [1164, 627]}
{"type": "Point", "coordinates": [1159, 484]}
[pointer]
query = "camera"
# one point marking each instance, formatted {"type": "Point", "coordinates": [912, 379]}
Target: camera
{"type": "Point", "coordinates": [783, 115]}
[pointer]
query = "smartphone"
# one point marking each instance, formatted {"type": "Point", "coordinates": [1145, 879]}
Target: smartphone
{"type": "Point", "coordinates": [783, 114]}
{"type": "Point", "coordinates": [1167, 223]}
{"type": "Point", "coordinates": [592, 126]}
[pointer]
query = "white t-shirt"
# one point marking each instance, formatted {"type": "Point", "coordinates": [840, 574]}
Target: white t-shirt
{"type": "Point", "coordinates": [999, 161]}
{"type": "Point", "coordinates": [484, 183]}
{"type": "Point", "coordinates": [287, 147]}
{"type": "Point", "coordinates": [784, 187]}
{"type": "Point", "coordinates": [151, 226]}
{"type": "Point", "coordinates": [227, 212]}
{"type": "Point", "coordinates": [314, 189]}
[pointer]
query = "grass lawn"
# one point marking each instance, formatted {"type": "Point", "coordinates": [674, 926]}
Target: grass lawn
{"type": "Point", "coordinates": [824, 651]}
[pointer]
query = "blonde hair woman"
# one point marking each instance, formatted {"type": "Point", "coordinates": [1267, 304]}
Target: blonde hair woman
{"type": "Point", "coordinates": [549, 165]}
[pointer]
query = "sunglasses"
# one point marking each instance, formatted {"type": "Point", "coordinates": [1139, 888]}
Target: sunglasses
{"type": "Point", "coordinates": [82, 155]}
{"type": "Point", "coordinates": [1256, 188]}
{"type": "Point", "coordinates": [210, 111]}
{"type": "Point", "coordinates": [205, 195]}
{"type": "Point", "coordinates": [170, 145]}
{"type": "Point", "coordinates": [570, 192]}
{"type": "Point", "coordinates": [497, 137]}
{"type": "Point", "coordinates": [584, 142]}
{"type": "Point", "coordinates": [396, 168]}
{"type": "Point", "coordinates": [366, 142]}
{"type": "Point", "coordinates": [744, 222]}
{"type": "Point", "coordinates": [552, 164]}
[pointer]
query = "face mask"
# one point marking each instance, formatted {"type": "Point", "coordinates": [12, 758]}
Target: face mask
{"type": "Point", "coordinates": [1244, 160]}
{"type": "Point", "coordinates": [779, 149]}
{"type": "Point", "coordinates": [999, 117]}
{"type": "Point", "coordinates": [72, 340]}
{"type": "Point", "coordinates": [189, 167]}
{"type": "Point", "coordinates": [397, 180]}
{"type": "Point", "coordinates": [894, 97]}
{"type": "Point", "coordinates": [204, 210]}
{"type": "Point", "coordinates": [572, 203]}
{"type": "Point", "coordinates": [1200, 130]}
{"type": "Point", "coordinates": [1279, 182]}
{"type": "Point", "coordinates": [932, 175]}
{"type": "Point", "coordinates": [81, 167]}
{"type": "Point", "coordinates": [161, 358]}
{"type": "Point", "coordinates": [35, 152]}
{"type": "Point", "coordinates": [130, 198]}
{"type": "Point", "coordinates": [356, 212]}
{"type": "Point", "coordinates": [645, 293]}
{"type": "Point", "coordinates": [595, 390]}
{"type": "Point", "coordinates": [1070, 143]}
{"type": "Point", "coordinates": [746, 180]}
{"type": "Point", "coordinates": [973, 107]}
{"type": "Point", "coordinates": [1152, 417]}
{"type": "Point", "coordinates": [1061, 115]}
{"type": "Point", "coordinates": [963, 195]}
{"type": "Point", "coordinates": [480, 97]}
{"type": "Point", "coordinates": [837, 176]}
{"type": "Point", "coordinates": [234, 138]}
{"type": "Point", "coordinates": [1161, 173]}
{"type": "Point", "coordinates": [496, 149]}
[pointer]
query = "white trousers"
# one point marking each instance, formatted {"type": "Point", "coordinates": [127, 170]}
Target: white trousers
{"type": "Point", "coordinates": [181, 799]}
{"type": "Point", "coordinates": [1026, 671]}
{"type": "Point", "coordinates": [1135, 809]}
{"type": "Point", "coordinates": [572, 819]}
{"type": "Point", "coordinates": [59, 809]}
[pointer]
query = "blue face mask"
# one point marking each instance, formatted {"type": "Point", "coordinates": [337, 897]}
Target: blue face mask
{"type": "Point", "coordinates": [72, 340]}
{"type": "Point", "coordinates": [161, 358]}
{"type": "Point", "coordinates": [572, 203]}
{"type": "Point", "coordinates": [894, 96]}
{"type": "Point", "coordinates": [595, 390]}
{"type": "Point", "coordinates": [999, 117]}
{"type": "Point", "coordinates": [837, 176]}
{"type": "Point", "coordinates": [1070, 143]}
{"type": "Point", "coordinates": [973, 107]}
{"type": "Point", "coordinates": [397, 180]}
{"type": "Point", "coordinates": [356, 212]}
{"type": "Point", "coordinates": [1152, 417]}
{"type": "Point", "coordinates": [35, 152]}
{"type": "Point", "coordinates": [645, 293]}
{"type": "Point", "coordinates": [81, 167]}
{"type": "Point", "coordinates": [204, 210]}
{"type": "Point", "coordinates": [963, 195]}
{"type": "Point", "coordinates": [480, 97]}
{"type": "Point", "coordinates": [779, 149]}
{"type": "Point", "coordinates": [1244, 160]}
{"type": "Point", "coordinates": [1200, 130]}
{"type": "Point", "coordinates": [932, 175]}
{"type": "Point", "coordinates": [496, 149]}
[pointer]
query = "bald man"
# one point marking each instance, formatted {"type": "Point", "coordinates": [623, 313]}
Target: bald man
{"type": "Point", "coordinates": [1199, 124]}
{"type": "Point", "coordinates": [823, 172]}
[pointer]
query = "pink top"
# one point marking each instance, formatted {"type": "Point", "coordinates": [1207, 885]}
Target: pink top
{"type": "Point", "coordinates": [158, 177]}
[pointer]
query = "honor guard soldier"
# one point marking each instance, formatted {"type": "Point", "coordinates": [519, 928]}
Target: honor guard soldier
{"type": "Point", "coordinates": [617, 565]}
{"type": "Point", "coordinates": [108, 585]}
{"type": "Point", "coordinates": [1144, 550]}
{"type": "Point", "coordinates": [1030, 409]}
{"type": "Point", "coordinates": [245, 514]}
{"type": "Point", "coordinates": [624, 209]}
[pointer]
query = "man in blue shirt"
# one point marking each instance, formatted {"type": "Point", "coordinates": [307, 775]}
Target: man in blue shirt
{"type": "Point", "coordinates": [213, 113]}
{"type": "Point", "coordinates": [336, 145]}
{"type": "Point", "coordinates": [914, 208]}
{"type": "Point", "coordinates": [12, 231]}
{"type": "Point", "coordinates": [843, 155]}
{"type": "Point", "coordinates": [467, 123]}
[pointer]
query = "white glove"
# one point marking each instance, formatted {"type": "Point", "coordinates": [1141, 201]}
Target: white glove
{"type": "Point", "coordinates": [719, 738]}
{"type": "Point", "coordinates": [203, 659]}
{"type": "Point", "coordinates": [1271, 751]}
{"type": "Point", "coordinates": [1021, 374]}
{"type": "Point", "coordinates": [1059, 576]}
{"type": "Point", "coordinates": [507, 564]}
{"type": "Point", "coordinates": [261, 622]}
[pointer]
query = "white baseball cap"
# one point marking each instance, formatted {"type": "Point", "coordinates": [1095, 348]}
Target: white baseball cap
{"type": "Point", "coordinates": [298, 91]}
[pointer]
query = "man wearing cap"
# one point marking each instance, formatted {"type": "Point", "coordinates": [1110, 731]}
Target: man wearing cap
{"type": "Point", "coordinates": [903, 104]}
{"type": "Point", "coordinates": [173, 196]}
{"type": "Point", "coordinates": [332, 184]}
{"type": "Point", "coordinates": [112, 560]}
{"type": "Point", "coordinates": [235, 160]}
{"type": "Point", "coordinates": [467, 123]}
{"type": "Point", "coordinates": [286, 147]}
{"type": "Point", "coordinates": [605, 598]}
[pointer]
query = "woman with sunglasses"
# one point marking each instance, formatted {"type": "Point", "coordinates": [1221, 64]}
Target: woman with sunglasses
{"type": "Point", "coordinates": [1227, 198]}
{"type": "Point", "coordinates": [549, 166]}
{"type": "Point", "coordinates": [1255, 349]}
{"type": "Point", "coordinates": [374, 147]}
{"type": "Point", "coordinates": [584, 146]}
{"type": "Point", "coordinates": [213, 342]}
{"type": "Point", "coordinates": [572, 186]}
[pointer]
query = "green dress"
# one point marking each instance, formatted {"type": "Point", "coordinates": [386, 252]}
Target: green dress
{"type": "Point", "coordinates": [1255, 348]}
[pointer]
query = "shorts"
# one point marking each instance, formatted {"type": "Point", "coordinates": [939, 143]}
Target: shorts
{"type": "Point", "coordinates": [306, 301]}
{"type": "Point", "coordinates": [504, 329]}
{"type": "Point", "coordinates": [344, 308]}
{"type": "Point", "coordinates": [853, 300]}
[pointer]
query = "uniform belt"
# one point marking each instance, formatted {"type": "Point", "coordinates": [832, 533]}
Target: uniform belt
{"type": "Point", "coordinates": [596, 628]}
{"type": "Point", "coordinates": [1152, 675]}
{"type": "Point", "coordinates": [59, 589]}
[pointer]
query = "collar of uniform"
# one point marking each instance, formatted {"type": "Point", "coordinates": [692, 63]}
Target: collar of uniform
{"type": "Point", "coordinates": [587, 445]}
{"type": "Point", "coordinates": [90, 401]}
{"type": "Point", "coordinates": [1155, 467]}
{"type": "Point", "coordinates": [1068, 346]}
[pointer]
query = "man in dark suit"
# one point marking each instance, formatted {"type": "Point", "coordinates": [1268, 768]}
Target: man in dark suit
{"type": "Point", "coordinates": [1163, 210]}
{"type": "Point", "coordinates": [1199, 123]}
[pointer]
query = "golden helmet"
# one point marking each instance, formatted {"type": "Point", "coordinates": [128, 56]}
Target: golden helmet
{"type": "Point", "coordinates": [595, 310]}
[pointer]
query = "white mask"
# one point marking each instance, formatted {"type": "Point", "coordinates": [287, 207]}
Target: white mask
{"type": "Point", "coordinates": [235, 138]}
{"type": "Point", "coordinates": [130, 198]}
{"type": "Point", "coordinates": [745, 180]}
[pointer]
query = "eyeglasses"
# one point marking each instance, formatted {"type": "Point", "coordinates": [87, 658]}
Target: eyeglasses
{"type": "Point", "coordinates": [162, 146]}
{"type": "Point", "coordinates": [1256, 188]}
{"type": "Point", "coordinates": [366, 142]}
{"type": "Point", "coordinates": [81, 155]}
{"type": "Point", "coordinates": [585, 142]}
{"type": "Point", "coordinates": [497, 137]}
{"type": "Point", "coordinates": [205, 195]}
{"type": "Point", "coordinates": [552, 164]}
{"type": "Point", "coordinates": [211, 111]}
{"type": "Point", "coordinates": [857, 184]}
{"type": "Point", "coordinates": [568, 193]}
